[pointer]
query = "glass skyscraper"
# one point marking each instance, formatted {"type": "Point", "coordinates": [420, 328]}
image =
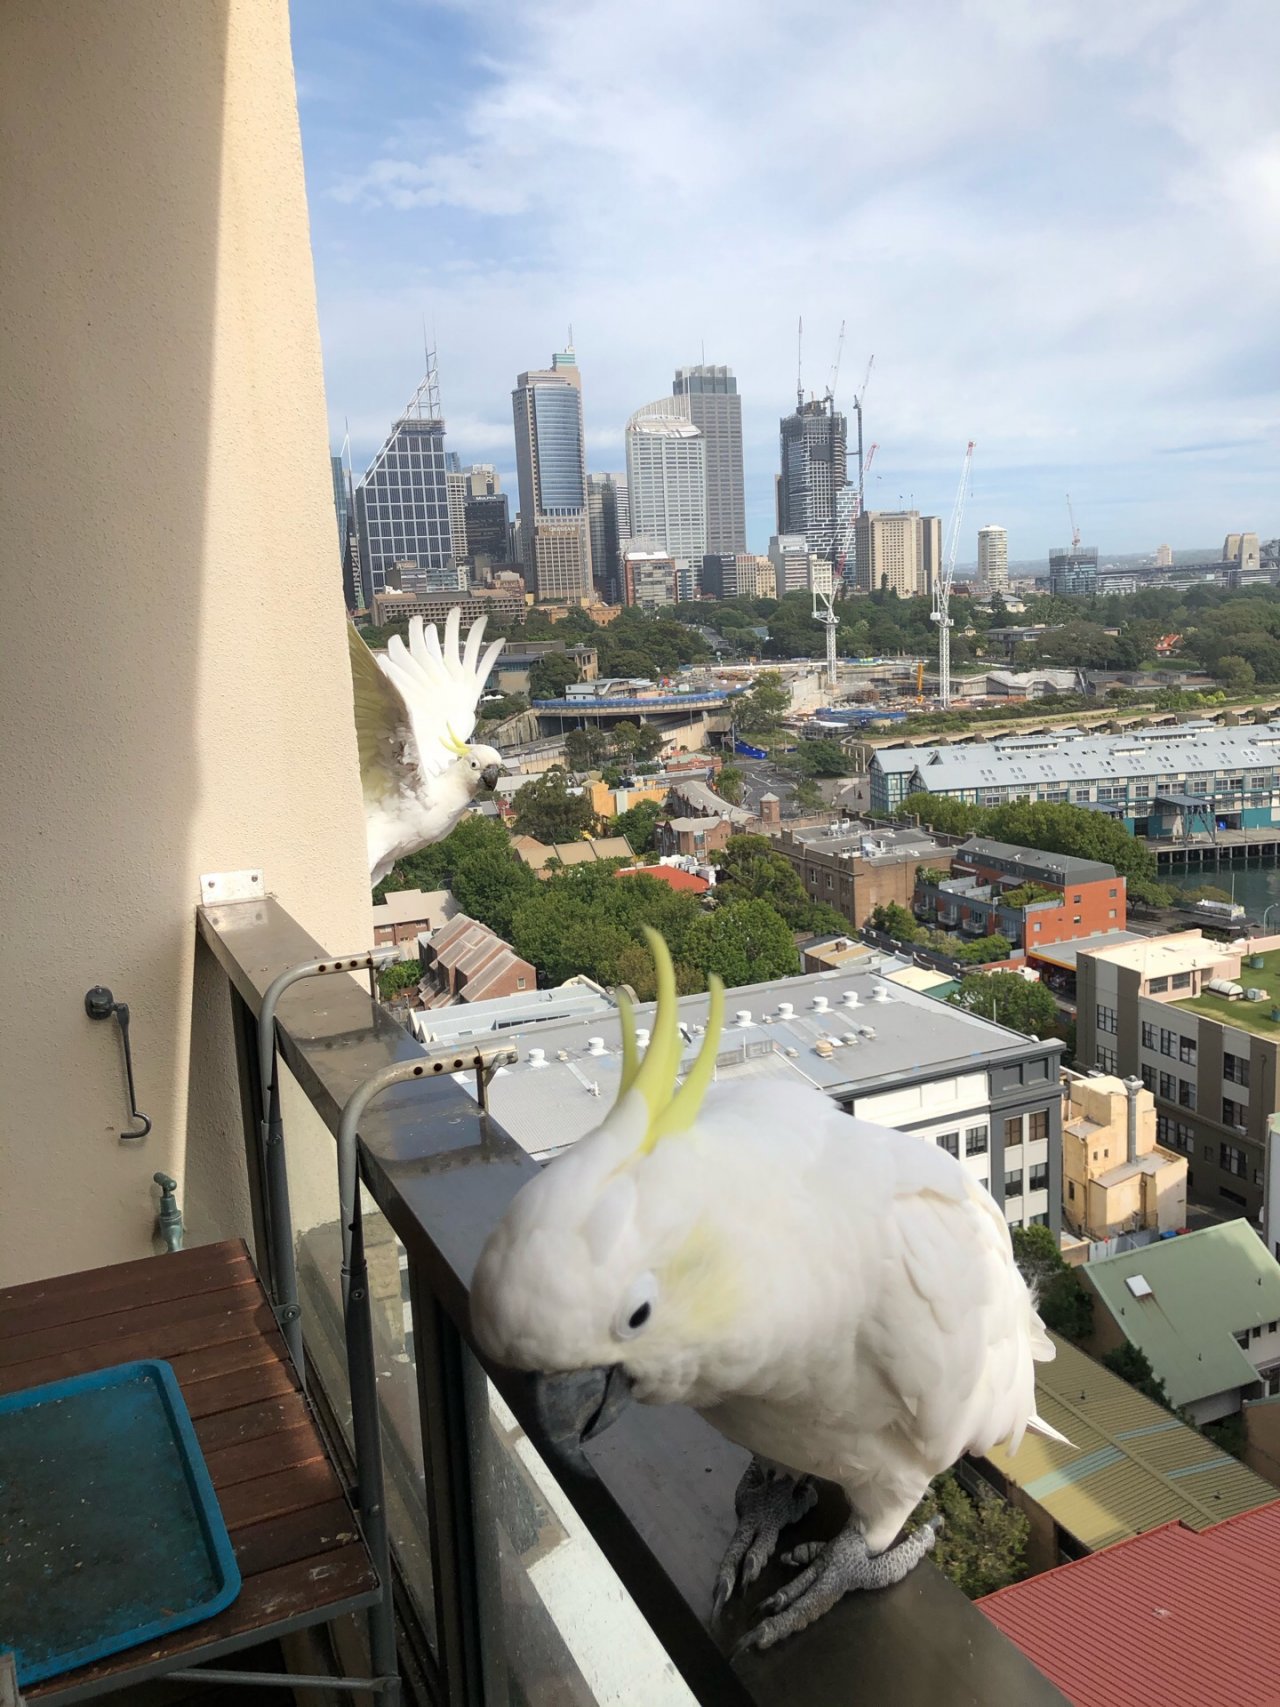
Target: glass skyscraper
{"type": "Point", "coordinates": [714, 407]}
{"type": "Point", "coordinates": [402, 504]}
{"type": "Point", "coordinates": [552, 470]}
{"type": "Point", "coordinates": [814, 472]}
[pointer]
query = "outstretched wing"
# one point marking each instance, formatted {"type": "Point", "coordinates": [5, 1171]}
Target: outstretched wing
{"type": "Point", "coordinates": [440, 684]}
{"type": "Point", "coordinates": [384, 731]}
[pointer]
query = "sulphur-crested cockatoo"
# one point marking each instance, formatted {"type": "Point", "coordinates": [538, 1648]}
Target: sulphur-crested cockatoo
{"type": "Point", "coordinates": [837, 1297]}
{"type": "Point", "coordinates": [415, 709]}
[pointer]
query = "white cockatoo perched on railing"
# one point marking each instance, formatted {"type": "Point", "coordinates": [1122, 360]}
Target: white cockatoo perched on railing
{"type": "Point", "coordinates": [837, 1297]}
{"type": "Point", "coordinates": [415, 711]}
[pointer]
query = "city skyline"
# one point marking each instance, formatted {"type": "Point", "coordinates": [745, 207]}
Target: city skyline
{"type": "Point", "coordinates": [1091, 301]}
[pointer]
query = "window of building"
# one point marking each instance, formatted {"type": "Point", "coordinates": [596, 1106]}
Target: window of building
{"type": "Point", "coordinates": [1168, 1087]}
{"type": "Point", "coordinates": [1234, 1114]}
{"type": "Point", "coordinates": [1075, 919]}
{"type": "Point", "coordinates": [1013, 1183]}
{"type": "Point", "coordinates": [1041, 1220]}
{"type": "Point", "coordinates": [1187, 1051]}
{"type": "Point", "coordinates": [1075, 900]}
{"type": "Point", "coordinates": [1106, 1059]}
{"type": "Point", "coordinates": [1038, 1178]}
{"type": "Point", "coordinates": [950, 1142]}
{"type": "Point", "coordinates": [1182, 981]}
{"type": "Point", "coordinates": [1236, 1068]}
{"type": "Point", "coordinates": [1071, 1191]}
{"type": "Point", "coordinates": [1168, 1040]}
{"type": "Point", "coordinates": [1039, 1124]}
{"type": "Point", "coordinates": [1012, 1131]}
{"type": "Point", "coordinates": [1111, 912]}
{"type": "Point", "coordinates": [1236, 1197]}
{"type": "Point", "coordinates": [1148, 1035]}
{"type": "Point", "coordinates": [1106, 1019]}
{"type": "Point", "coordinates": [1148, 1077]}
{"type": "Point", "coordinates": [975, 1141]}
{"type": "Point", "coordinates": [1186, 1094]}
{"type": "Point", "coordinates": [1156, 986]}
{"type": "Point", "coordinates": [1231, 1160]}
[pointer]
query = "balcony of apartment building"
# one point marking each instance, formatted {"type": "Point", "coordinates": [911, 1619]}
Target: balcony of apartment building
{"type": "Point", "coordinates": [183, 824]}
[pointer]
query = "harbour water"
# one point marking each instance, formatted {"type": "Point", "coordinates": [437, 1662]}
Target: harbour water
{"type": "Point", "coordinates": [1256, 887]}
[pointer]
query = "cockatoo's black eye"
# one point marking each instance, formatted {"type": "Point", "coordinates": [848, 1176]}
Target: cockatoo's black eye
{"type": "Point", "coordinates": [636, 1307]}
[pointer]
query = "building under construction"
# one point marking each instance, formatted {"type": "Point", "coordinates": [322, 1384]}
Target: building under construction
{"type": "Point", "coordinates": [814, 472]}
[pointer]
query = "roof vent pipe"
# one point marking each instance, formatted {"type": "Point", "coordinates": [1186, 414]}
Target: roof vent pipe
{"type": "Point", "coordinates": [595, 1046]}
{"type": "Point", "coordinates": [820, 1004]}
{"type": "Point", "coordinates": [642, 1038]}
{"type": "Point", "coordinates": [742, 1017]}
{"type": "Point", "coordinates": [880, 993]}
{"type": "Point", "coordinates": [786, 1010]}
{"type": "Point", "coordinates": [537, 1057]}
{"type": "Point", "coordinates": [1133, 1086]}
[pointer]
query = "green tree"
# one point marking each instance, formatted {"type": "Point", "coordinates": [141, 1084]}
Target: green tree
{"type": "Point", "coordinates": [746, 942]}
{"type": "Point", "coordinates": [506, 705]}
{"type": "Point", "coordinates": [1235, 673]}
{"type": "Point", "coordinates": [750, 868]}
{"type": "Point", "coordinates": [822, 758]}
{"type": "Point", "coordinates": [586, 748]}
{"type": "Point", "coordinates": [1133, 1365]}
{"type": "Point", "coordinates": [547, 810]}
{"type": "Point", "coordinates": [551, 675]}
{"type": "Point", "coordinates": [979, 951]}
{"type": "Point", "coordinates": [1010, 1000]}
{"type": "Point", "coordinates": [1064, 1303]}
{"type": "Point", "coordinates": [983, 1541]}
{"type": "Point", "coordinates": [435, 867]}
{"type": "Point", "coordinates": [730, 783]}
{"type": "Point", "coordinates": [807, 796]}
{"type": "Point", "coordinates": [941, 812]}
{"type": "Point", "coordinates": [490, 884]}
{"type": "Point", "coordinates": [638, 824]}
{"type": "Point", "coordinates": [764, 703]}
{"type": "Point", "coordinates": [897, 922]}
{"type": "Point", "coordinates": [400, 975]}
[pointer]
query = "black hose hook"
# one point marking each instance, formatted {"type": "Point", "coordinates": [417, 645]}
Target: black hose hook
{"type": "Point", "coordinates": [99, 1003]}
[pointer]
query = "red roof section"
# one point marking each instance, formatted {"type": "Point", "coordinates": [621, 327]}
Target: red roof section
{"type": "Point", "coordinates": [1169, 1619]}
{"type": "Point", "coordinates": [671, 874]}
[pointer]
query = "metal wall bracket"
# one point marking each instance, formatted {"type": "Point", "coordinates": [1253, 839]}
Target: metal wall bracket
{"type": "Point", "coordinates": [219, 886]}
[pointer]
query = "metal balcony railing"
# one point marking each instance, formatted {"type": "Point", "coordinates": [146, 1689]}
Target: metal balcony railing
{"type": "Point", "coordinates": [519, 1579]}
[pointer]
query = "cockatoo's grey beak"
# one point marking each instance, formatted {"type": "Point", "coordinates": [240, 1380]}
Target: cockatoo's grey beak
{"type": "Point", "coordinates": [578, 1406]}
{"type": "Point", "coordinates": [489, 776]}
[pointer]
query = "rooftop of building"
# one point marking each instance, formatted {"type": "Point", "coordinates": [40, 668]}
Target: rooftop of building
{"type": "Point", "coordinates": [1163, 956]}
{"type": "Point", "coordinates": [579, 998]}
{"type": "Point", "coordinates": [1066, 868]}
{"type": "Point", "coordinates": [1131, 1465]}
{"type": "Point", "coordinates": [540, 854]}
{"type": "Point", "coordinates": [1182, 1301]}
{"type": "Point", "coordinates": [1144, 1622]}
{"type": "Point", "coordinates": [1252, 1016]}
{"type": "Point", "coordinates": [1061, 755]}
{"type": "Point", "coordinates": [1066, 954]}
{"type": "Point", "coordinates": [840, 1030]}
{"type": "Point", "coordinates": [852, 838]}
{"type": "Point", "coordinates": [409, 906]}
{"type": "Point", "coordinates": [673, 875]}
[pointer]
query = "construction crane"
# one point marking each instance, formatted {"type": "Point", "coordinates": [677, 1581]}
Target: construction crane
{"type": "Point", "coordinates": [941, 612]}
{"type": "Point", "coordinates": [835, 368]}
{"type": "Point", "coordinates": [857, 409]}
{"type": "Point", "coordinates": [1075, 531]}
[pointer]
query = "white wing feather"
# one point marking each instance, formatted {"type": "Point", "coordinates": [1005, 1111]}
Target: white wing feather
{"type": "Point", "coordinates": [440, 685]}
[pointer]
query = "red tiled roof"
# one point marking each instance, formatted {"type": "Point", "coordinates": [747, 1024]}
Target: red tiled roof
{"type": "Point", "coordinates": [1171, 1618]}
{"type": "Point", "coordinates": [671, 874]}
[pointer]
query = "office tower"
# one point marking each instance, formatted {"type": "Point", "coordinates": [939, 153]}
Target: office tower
{"type": "Point", "coordinates": [552, 471]}
{"type": "Point", "coordinates": [341, 497]}
{"type": "Point", "coordinates": [649, 578]}
{"type": "Point", "coordinates": [488, 528]}
{"type": "Point", "coordinates": [898, 551]}
{"type": "Point", "coordinates": [789, 553]}
{"type": "Point", "coordinates": [482, 480]}
{"type": "Point", "coordinates": [1164, 557]}
{"type": "Point", "coordinates": [711, 575]}
{"type": "Point", "coordinates": [610, 520]}
{"type": "Point", "coordinates": [667, 481]}
{"type": "Point", "coordinates": [716, 410]}
{"type": "Point", "coordinates": [353, 591]}
{"type": "Point", "coordinates": [814, 470]}
{"type": "Point", "coordinates": [746, 576]}
{"type": "Point", "coordinates": [402, 503]}
{"type": "Point", "coordinates": [456, 486]}
{"type": "Point", "coordinates": [1073, 571]}
{"type": "Point", "coordinates": [993, 560]}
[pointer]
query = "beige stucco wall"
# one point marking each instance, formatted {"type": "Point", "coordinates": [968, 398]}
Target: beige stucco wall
{"type": "Point", "coordinates": [186, 707]}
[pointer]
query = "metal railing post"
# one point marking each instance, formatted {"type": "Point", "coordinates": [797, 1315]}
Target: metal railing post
{"type": "Point", "coordinates": [283, 1274]}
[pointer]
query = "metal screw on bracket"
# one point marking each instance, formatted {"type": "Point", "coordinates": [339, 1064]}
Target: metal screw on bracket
{"type": "Point", "coordinates": [99, 1003]}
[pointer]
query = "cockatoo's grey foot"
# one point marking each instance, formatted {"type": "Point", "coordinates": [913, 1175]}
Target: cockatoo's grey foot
{"type": "Point", "coordinates": [831, 1570]}
{"type": "Point", "coordinates": [766, 1501]}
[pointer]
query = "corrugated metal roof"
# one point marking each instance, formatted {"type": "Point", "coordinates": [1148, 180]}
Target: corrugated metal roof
{"type": "Point", "coordinates": [1131, 1466]}
{"type": "Point", "coordinates": [1169, 1619]}
{"type": "Point", "coordinates": [1206, 1287]}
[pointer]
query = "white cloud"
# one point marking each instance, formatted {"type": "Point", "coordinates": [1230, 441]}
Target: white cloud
{"type": "Point", "coordinates": [1055, 221]}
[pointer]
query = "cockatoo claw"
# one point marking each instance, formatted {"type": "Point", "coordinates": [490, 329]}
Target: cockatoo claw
{"type": "Point", "coordinates": [829, 1572]}
{"type": "Point", "coordinates": [766, 1501]}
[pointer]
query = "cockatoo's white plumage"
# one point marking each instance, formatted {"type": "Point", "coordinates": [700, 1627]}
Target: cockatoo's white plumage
{"type": "Point", "coordinates": [415, 711]}
{"type": "Point", "coordinates": [836, 1296]}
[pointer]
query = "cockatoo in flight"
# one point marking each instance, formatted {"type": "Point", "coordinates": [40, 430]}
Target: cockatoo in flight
{"type": "Point", "coordinates": [839, 1298]}
{"type": "Point", "coordinates": [415, 709]}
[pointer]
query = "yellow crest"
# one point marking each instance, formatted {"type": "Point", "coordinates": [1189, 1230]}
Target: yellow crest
{"type": "Point", "coordinates": [671, 1108]}
{"type": "Point", "coordinates": [452, 742]}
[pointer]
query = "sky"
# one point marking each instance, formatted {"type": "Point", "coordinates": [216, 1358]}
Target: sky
{"type": "Point", "coordinates": [1054, 223]}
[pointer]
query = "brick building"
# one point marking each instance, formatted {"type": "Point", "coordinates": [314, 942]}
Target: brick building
{"type": "Point", "coordinates": [1030, 897]}
{"type": "Point", "coordinates": [856, 867]}
{"type": "Point", "coordinates": [464, 961]}
{"type": "Point", "coordinates": [695, 836]}
{"type": "Point", "coordinates": [405, 913]}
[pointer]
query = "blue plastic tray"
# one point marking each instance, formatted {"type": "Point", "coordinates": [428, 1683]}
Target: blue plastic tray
{"type": "Point", "coordinates": [110, 1532]}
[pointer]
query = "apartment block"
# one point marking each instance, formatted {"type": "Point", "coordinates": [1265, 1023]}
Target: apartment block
{"type": "Point", "coordinates": [1115, 1177]}
{"type": "Point", "coordinates": [1030, 897]}
{"type": "Point", "coordinates": [856, 868]}
{"type": "Point", "coordinates": [1197, 1022]}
